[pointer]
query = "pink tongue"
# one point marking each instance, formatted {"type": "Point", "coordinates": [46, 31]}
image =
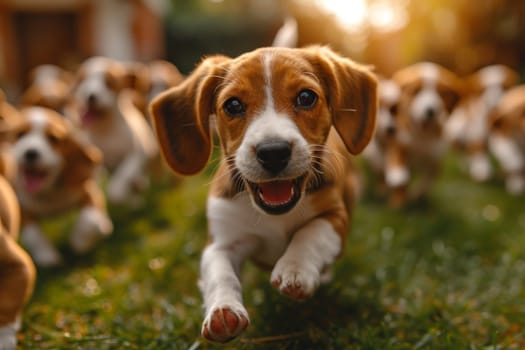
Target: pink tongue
{"type": "Point", "coordinates": [88, 117]}
{"type": "Point", "coordinates": [276, 192]}
{"type": "Point", "coordinates": [33, 182]}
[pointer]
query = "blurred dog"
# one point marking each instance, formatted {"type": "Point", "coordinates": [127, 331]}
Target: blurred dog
{"type": "Point", "coordinates": [282, 196]}
{"type": "Point", "coordinates": [507, 137]}
{"type": "Point", "coordinates": [56, 174]}
{"type": "Point", "coordinates": [49, 87]}
{"type": "Point", "coordinates": [110, 113]}
{"type": "Point", "coordinates": [468, 126]}
{"type": "Point", "coordinates": [386, 152]}
{"type": "Point", "coordinates": [163, 75]}
{"type": "Point", "coordinates": [429, 93]}
{"type": "Point", "coordinates": [17, 272]}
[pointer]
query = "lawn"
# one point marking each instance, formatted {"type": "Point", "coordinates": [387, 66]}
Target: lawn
{"type": "Point", "coordinates": [448, 274]}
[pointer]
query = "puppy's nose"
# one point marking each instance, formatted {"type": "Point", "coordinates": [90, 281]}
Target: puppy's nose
{"type": "Point", "coordinates": [273, 156]}
{"type": "Point", "coordinates": [31, 155]}
{"type": "Point", "coordinates": [92, 99]}
{"type": "Point", "coordinates": [430, 113]}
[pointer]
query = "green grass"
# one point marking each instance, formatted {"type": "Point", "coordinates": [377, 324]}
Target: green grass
{"type": "Point", "coordinates": [446, 275]}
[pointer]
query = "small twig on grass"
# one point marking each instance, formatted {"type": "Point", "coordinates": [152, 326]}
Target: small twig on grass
{"type": "Point", "coordinates": [273, 338]}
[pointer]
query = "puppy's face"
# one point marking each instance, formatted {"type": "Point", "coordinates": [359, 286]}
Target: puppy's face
{"type": "Point", "coordinates": [489, 83]}
{"type": "Point", "coordinates": [273, 110]}
{"type": "Point", "coordinates": [429, 93]}
{"type": "Point", "coordinates": [389, 94]}
{"type": "Point", "coordinates": [98, 83]}
{"type": "Point", "coordinates": [44, 146]}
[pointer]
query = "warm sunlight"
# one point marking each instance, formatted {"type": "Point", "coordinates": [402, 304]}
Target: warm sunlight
{"type": "Point", "coordinates": [386, 15]}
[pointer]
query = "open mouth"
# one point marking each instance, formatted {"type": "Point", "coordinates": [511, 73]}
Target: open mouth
{"type": "Point", "coordinates": [34, 179]}
{"type": "Point", "coordinates": [90, 116]}
{"type": "Point", "coordinates": [277, 197]}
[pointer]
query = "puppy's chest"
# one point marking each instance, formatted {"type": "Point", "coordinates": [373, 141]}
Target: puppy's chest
{"type": "Point", "coordinates": [232, 221]}
{"type": "Point", "coordinates": [52, 203]}
{"type": "Point", "coordinates": [115, 141]}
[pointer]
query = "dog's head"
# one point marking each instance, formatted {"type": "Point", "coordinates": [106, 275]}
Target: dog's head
{"type": "Point", "coordinates": [489, 83]}
{"type": "Point", "coordinates": [429, 93]}
{"type": "Point", "coordinates": [273, 110]}
{"type": "Point", "coordinates": [49, 87]}
{"type": "Point", "coordinates": [48, 153]}
{"type": "Point", "coordinates": [98, 83]}
{"type": "Point", "coordinates": [389, 94]}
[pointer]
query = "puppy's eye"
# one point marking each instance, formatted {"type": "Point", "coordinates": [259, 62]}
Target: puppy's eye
{"type": "Point", "coordinates": [53, 139]}
{"type": "Point", "coordinates": [234, 107]}
{"type": "Point", "coordinates": [393, 110]}
{"type": "Point", "coordinates": [306, 99]}
{"type": "Point", "coordinates": [20, 134]}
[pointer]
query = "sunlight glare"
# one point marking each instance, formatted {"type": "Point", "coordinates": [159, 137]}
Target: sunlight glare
{"type": "Point", "coordinates": [351, 14]}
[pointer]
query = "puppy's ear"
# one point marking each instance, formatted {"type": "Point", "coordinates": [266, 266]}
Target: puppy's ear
{"type": "Point", "coordinates": [181, 117]}
{"type": "Point", "coordinates": [351, 94]}
{"type": "Point", "coordinates": [82, 159]}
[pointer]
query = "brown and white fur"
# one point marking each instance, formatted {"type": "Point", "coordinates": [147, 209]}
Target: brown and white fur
{"type": "Point", "coordinates": [55, 175]}
{"type": "Point", "coordinates": [507, 137]}
{"type": "Point", "coordinates": [468, 126]}
{"type": "Point", "coordinates": [17, 271]}
{"type": "Point", "coordinates": [385, 153]}
{"type": "Point", "coordinates": [107, 111]}
{"type": "Point", "coordinates": [49, 87]}
{"type": "Point", "coordinates": [287, 120]}
{"type": "Point", "coordinates": [429, 93]}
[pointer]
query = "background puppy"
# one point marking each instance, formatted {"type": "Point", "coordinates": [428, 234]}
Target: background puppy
{"type": "Point", "coordinates": [507, 137]}
{"type": "Point", "coordinates": [49, 87]}
{"type": "Point", "coordinates": [429, 93]}
{"type": "Point", "coordinates": [111, 117]}
{"type": "Point", "coordinates": [386, 152]}
{"type": "Point", "coordinates": [56, 174]}
{"type": "Point", "coordinates": [17, 272]}
{"type": "Point", "coordinates": [468, 126]}
{"type": "Point", "coordinates": [286, 120]}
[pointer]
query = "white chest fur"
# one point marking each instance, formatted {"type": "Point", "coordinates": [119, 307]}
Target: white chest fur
{"type": "Point", "coordinates": [231, 221]}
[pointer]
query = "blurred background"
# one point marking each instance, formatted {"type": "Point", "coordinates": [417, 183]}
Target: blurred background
{"type": "Point", "coordinates": [462, 35]}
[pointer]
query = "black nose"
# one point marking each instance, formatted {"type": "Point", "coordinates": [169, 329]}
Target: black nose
{"type": "Point", "coordinates": [273, 156]}
{"type": "Point", "coordinates": [92, 99]}
{"type": "Point", "coordinates": [390, 130]}
{"type": "Point", "coordinates": [31, 155]}
{"type": "Point", "coordinates": [430, 113]}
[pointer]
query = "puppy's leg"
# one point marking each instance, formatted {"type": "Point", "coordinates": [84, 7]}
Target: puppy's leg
{"type": "Point", "coordinates": [39, 247]}
{"type": "Point", "coordinates": [17, 280]}
{"type": "Point", "coordinates": [511, 158]}
{"type": "Point", "coordinates": [225, 315]}
{"type": "Point", "coordinates": [397, 175]}
{"type": "Point", "coordinates": [124, 182]}
{"type": "Point", "coordinates": [93, 223]}
{"type": "Point", "coordinates": [297, 273]}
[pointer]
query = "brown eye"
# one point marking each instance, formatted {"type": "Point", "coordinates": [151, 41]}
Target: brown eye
{"type": "Point", "coordinates": [393, 110]}
{"type": "Point", "coordinates": [306, 99]}
{"type": "Point", "coordinates": [234, 107]}
{"type": "Point", "coordinates": [20, 134]}
{"type": "Point", "coordinates": [52, 138]}
{"type": "Point", "coordinates": [110, 81]}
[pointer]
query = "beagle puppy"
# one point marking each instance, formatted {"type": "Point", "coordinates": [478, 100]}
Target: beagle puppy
{"type": "Point", "coordinates": [385, 154]}
{"type": "Point", "coordinates": [56, 174]}
{"type": "Point", "coordinates": [507, 137]}
{"type": "Point", "coordinates": [17, 271]}
{"type": "Point", "coordinates": [287, 120]}
{"type": "Point", "coordinates": [429, 93]}
{"type": "Point", "coordinates": [111, 117]}
{"type": "Point", "coordinates": [468, 126]}
{"type": "Point", "coordinates": [49, 87]}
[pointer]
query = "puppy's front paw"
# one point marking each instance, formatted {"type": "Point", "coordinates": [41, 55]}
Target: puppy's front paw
{"type": "Point", "coordinates": [224, 323]}
{"type": "Point", "coordinates": [92, 225]}
{"type": "Point", "coordinates": [297, 280]}
{"type": "Point", "coordinates": [7, 338]}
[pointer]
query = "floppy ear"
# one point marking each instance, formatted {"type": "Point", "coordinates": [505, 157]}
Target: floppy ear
{"type": "Point", "coordinates": [351, 94]}
{"type": "Point", "coordinates": [82, 159]}
{"type": "Point", "coordinates": [181, 117]}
